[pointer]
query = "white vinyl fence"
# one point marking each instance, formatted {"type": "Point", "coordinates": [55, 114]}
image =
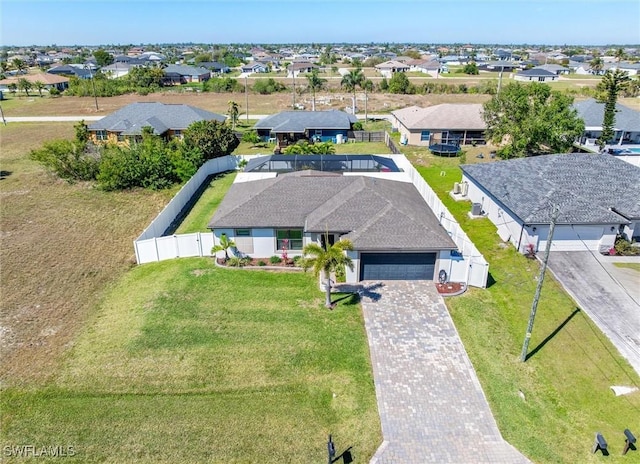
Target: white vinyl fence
{"type": "Point", "coordinates": [472, 268]}
{"type": "Point", "coordinates": [152, 246]}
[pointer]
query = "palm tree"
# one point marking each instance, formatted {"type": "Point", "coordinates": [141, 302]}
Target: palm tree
{"type": "Point", "coordinates": [20, 65]}
{"type": "Point", "coordinates": [596, 64]}
{"type": "Point", "coordinates": [367, 86]}
{"type": "Point", "coordinates": [233, 113]}
{"type": "Point", "coordinates": [25, 85]}
{"type": "Point", "coordinates": [350, 81]}
{"type": "Point", "coordinates": [325, 261]}
{"type": "Point", "coordinates": [620, 55]}
{"type": "Point", "coordinates": [39, 85]}
{"type": "Point", "coordinates": [224, 245]}
{"type": "Point", "coordinates": [612, 83]}
{"type": "Point", "coordinates": [315, 83]}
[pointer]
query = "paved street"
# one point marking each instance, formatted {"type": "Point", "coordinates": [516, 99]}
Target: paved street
{"type": "Point", "coordinates": [432, 408]}
{"type": "Point", "coordinates": [609, 295]}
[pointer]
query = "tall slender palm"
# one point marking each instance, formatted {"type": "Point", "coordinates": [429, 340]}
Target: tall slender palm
{"type": "Point", "coordinates": [315, 83]}
{"type": "Point", "coordinates": [350, 81]}
{"type": "Point", "coordinates": [367, 86]}
{"type": "Point", "coordinates": [620, 55]}
{"type": "Point", "coordinates": [325, 261]}
{"type": "Point", "coordinates": [612, 83]}
{"type": "Point", "coordinates": [233, 113]}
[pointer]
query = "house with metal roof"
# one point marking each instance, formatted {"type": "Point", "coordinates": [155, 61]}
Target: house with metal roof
{"type": "Point", "coordinates": [626, 124]}
{"type": "Point", "coordinates": [536, 75]}
{"type": "Point", "coordinates": [166, 120]}
{"type": "Point", "coordinates": [394, 232]}
{"type": "Point", "coordinates": [448, 123]}
{"type": "Point", "coordinates": [598, 197]}
{"type": "Point", "coordinates": [288, 127]}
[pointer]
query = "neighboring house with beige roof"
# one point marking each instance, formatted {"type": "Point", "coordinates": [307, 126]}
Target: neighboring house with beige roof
{"type": "Point", "coordinates": [49, 80]}
{"type": "Point", "coordinates": [446, 123]}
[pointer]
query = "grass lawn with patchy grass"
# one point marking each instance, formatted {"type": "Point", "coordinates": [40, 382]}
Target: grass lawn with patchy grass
{"type": "Point", "coordinates": [62, 245]}
{"type": "Point", "coordinates": [187, 362]}
{"type": "Point", "coordinates": [572, 365]}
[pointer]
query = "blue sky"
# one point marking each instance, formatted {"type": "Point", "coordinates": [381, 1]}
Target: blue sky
{"type": "Point", "coordinates": [93, 22]}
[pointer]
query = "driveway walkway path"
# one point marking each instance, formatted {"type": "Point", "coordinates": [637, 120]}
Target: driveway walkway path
{"type": "Point", "coordinates": [432, 408]}
{"type": "Point", "coordinates": [612, 303]}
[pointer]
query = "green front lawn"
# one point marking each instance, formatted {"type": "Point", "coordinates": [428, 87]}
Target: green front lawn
{"type": "Point", "coordinates": [566, 382]}
{"type": "Point", "coordinates": [187, 362]}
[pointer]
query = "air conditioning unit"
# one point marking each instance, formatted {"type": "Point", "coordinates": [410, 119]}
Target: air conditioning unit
{"type": "Point", "coordinates": [464, 188]}
{"type": "Point", "coordinates": [456, 187]}
{"type": "Point", "coordinates": [476, 209]}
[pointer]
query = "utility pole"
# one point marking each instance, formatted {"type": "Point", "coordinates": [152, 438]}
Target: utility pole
{"type": "Point", "coordinates": [246, 96]}
{"type": "Point", "coordinates": [293, 72]}
{"type": "Point", "coordinates": [93, 82]}
{"type": "Point", "coordinates": [525, 346]}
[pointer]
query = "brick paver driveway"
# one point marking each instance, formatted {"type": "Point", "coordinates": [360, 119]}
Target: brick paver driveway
{"type": "Point", "coordinates": [432, 408]}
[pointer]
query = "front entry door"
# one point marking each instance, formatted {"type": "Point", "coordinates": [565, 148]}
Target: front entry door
{"type": "Point", "coordinates": [323, 240]}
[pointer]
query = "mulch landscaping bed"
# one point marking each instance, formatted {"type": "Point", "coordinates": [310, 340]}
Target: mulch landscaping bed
{"type": "Point", "coordinates": [451, 288]}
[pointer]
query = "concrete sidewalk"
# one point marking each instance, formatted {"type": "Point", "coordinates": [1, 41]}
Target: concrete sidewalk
{"type": "Point", "coordinates": [431, 405]}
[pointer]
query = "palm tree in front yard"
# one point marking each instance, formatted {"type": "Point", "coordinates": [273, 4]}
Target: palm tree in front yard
{"type": "Point", "coordinates": [324, 262]}
{"type": "Point", "coordinates": [224, 245]}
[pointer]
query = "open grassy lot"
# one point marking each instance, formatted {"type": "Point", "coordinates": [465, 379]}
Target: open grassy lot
{"type": "Point", "coordinates": [61, 245]}
{"type": "Point", "coordinates": [187, 362]}
{"type": "Point", "coordinates": [572, 365]}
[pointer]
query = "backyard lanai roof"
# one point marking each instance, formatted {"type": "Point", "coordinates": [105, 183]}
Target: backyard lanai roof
{"type": "Point", "coordinates": [327, 163]}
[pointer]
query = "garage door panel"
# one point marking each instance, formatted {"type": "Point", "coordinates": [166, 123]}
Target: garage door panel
{"type": "Point", "coordinates": [397, 266]}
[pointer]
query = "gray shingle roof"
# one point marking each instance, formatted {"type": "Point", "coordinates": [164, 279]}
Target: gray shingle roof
{"type": "Point", "coordinates": [376, 214]}
{"type": "Point", "coordinates": [185, 70]}
{"type": "Point", "coordinates": [132, 118]}
{"type": "Point", "coordinates": [536, 72]}
{"type": "Point", "coordinates": [585, 186]}
{"type": "Point", "coordinates": [592, 113]}
{"type": "Point", "coordinates": [299, 121]}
